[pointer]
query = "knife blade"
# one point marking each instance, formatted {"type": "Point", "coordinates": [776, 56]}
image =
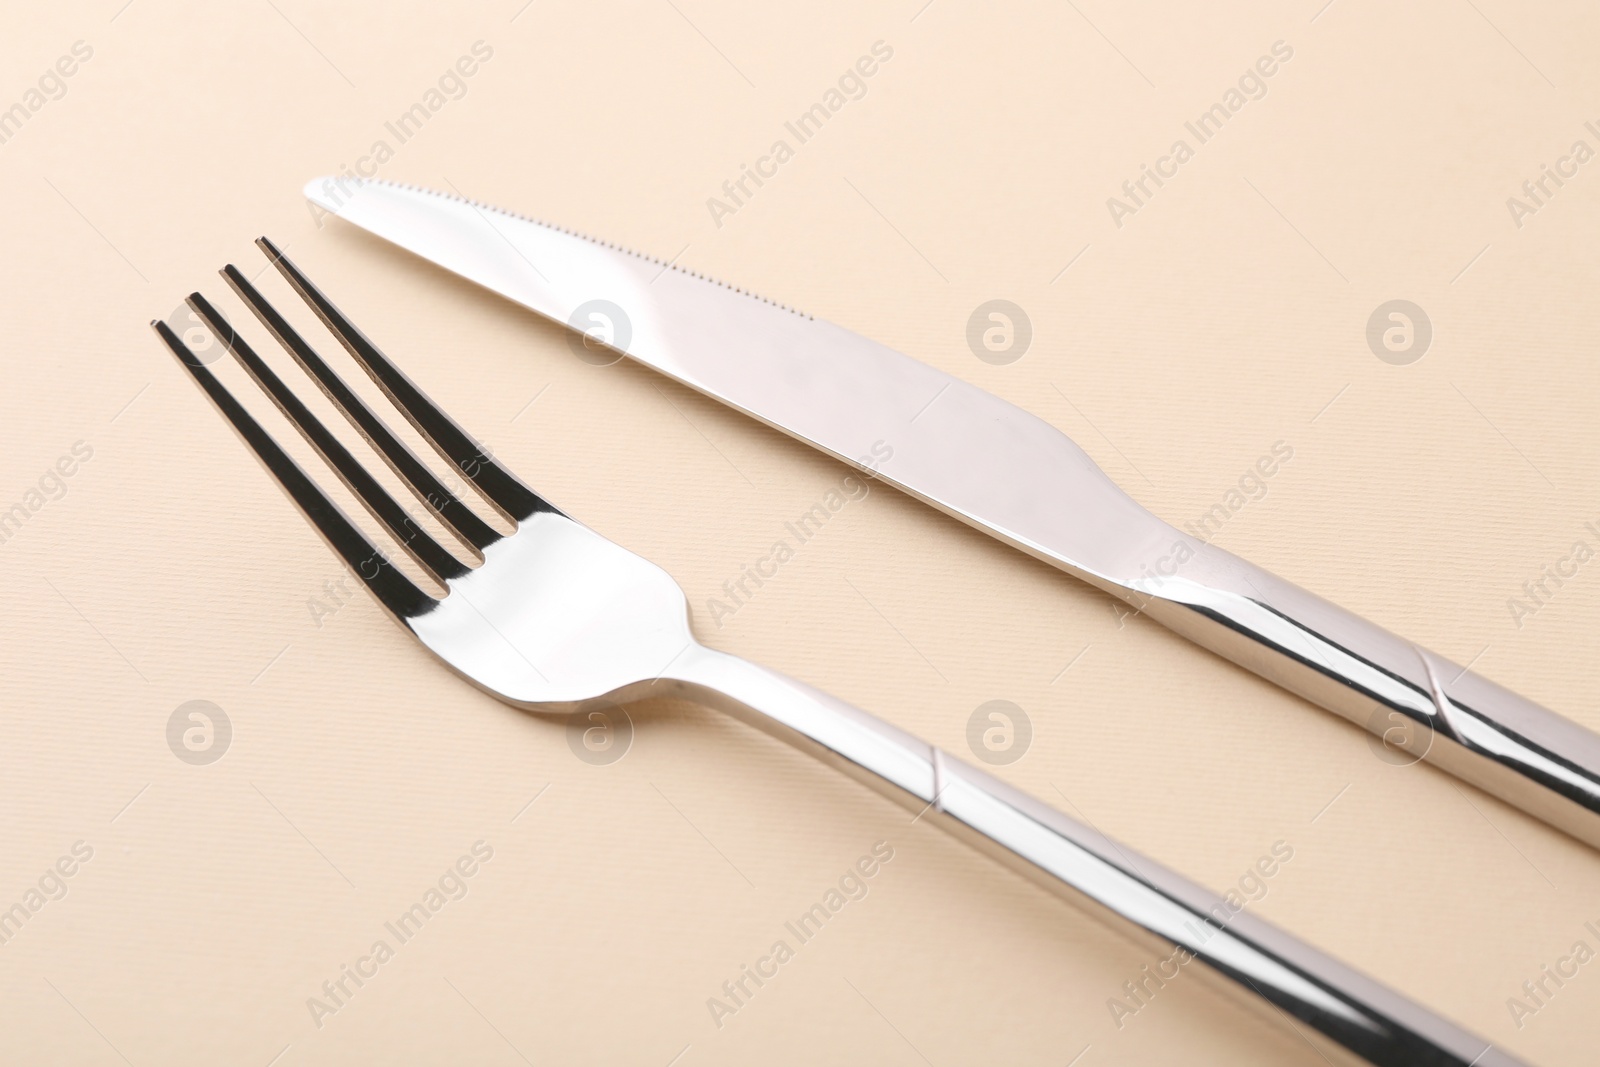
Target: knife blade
{"type": "Point", "coordinates": [1004, 471]}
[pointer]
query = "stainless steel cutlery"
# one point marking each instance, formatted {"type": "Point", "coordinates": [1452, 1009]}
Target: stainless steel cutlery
{"type": "Point", "coordinates": [1004, 471]}
{"type": "Point", "coordinates": [555, 618]}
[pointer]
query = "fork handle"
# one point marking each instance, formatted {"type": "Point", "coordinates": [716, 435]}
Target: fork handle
{"type": "Point", "coordinates": [1155, 905]}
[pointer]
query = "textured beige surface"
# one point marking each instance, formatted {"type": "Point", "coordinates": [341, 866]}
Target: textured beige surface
{"type": "Point", "coordinates": [1226, 314]}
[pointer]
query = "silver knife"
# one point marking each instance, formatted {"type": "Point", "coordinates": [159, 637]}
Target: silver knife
{"type": "Point", "coordinates": [1006, 472]}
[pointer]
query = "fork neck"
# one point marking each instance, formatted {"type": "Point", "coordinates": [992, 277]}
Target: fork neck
{"type": "Point", "coordinates": [821, 725]}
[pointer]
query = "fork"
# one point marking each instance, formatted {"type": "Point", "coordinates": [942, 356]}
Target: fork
{"type": "Point", "coordinates": [555, 619]}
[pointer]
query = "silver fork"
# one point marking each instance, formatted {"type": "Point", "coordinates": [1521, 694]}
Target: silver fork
{"type": "Point", "coordinates": [558, 620]}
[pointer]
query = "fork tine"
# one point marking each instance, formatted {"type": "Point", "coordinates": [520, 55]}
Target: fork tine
{"type": "Point", "coordinates": [503, 489]}
{"type": "Point", "coordinates": [416, 541]}
{"type": "Point", "coordinates": [404, 462]}
{"type": "Point", "coordinates": [393, 589]}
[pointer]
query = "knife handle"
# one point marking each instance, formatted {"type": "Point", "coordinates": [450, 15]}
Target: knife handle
{"type": "Point", "coordinates": [1294, 985]}
{"type": "Point", "coordinates": [1422, 705]}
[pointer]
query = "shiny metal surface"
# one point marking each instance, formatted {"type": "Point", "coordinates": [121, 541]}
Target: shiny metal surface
{"type": "Point", "coordinates": [559, 620]}
{"type": "Point", "coordinates": [1004, 471]}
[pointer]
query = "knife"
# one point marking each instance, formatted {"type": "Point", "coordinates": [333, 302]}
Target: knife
{"type": "Point", "coordinates": [996, 467]}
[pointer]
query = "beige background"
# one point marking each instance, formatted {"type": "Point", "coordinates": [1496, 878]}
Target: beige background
{"type": "Point", "coordinates": [1226, 315]}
